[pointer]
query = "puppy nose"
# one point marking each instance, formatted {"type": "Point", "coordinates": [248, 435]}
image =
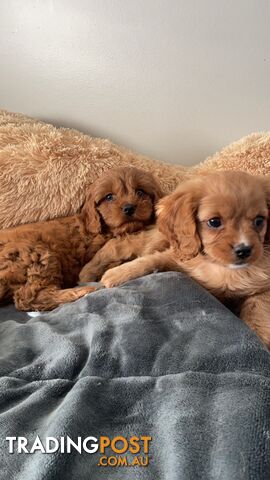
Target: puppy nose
{"type": "Point", "coordinates": [128, 209]}
{"type": "Point", "coordinates": [242, 251]}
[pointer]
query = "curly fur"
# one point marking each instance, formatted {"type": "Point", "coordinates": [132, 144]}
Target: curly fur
{"type": "Point", "coordinates": [40, 262]}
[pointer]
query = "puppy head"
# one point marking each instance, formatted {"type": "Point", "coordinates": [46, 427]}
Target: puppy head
{"type": "Point", "coordinates": [223, 215]}
{"type": "Point", "coordinates": [121, 201]}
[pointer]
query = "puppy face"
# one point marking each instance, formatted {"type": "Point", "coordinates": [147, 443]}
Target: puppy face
{"type": "Point", "coordinates": [122, 201]}
{"type": "Point", "coordinates": [223, 215]}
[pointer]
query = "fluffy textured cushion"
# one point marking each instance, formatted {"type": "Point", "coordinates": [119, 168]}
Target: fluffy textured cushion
{"type": "Point", "coordinates": [44, 170]}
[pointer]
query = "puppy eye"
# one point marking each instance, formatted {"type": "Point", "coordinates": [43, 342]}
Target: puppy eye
{"type": "Point", "coordinates": [140, 192]}
{"type": "Point", "coordinates": [214, 222]}
{"type": "Point", "coordinates": [109, 197]}
{"type": "Point", "coordinates": [259, 221]}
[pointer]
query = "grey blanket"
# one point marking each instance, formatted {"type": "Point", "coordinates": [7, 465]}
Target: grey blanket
{"type": "Point", "coordinates": [158, 358]}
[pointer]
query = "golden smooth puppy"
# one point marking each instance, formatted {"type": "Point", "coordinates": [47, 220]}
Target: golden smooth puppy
{"type": "Point", "coordinates": [218, 230]}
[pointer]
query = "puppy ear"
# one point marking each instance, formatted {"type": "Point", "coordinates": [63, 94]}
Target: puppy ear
{"type": "Point", "coordinates": [89, 213]}
{"type": "Point", "coordinates": [177, 221]}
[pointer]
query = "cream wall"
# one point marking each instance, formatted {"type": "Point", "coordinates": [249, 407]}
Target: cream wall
{"type": "Point", "coordinates": [174, 79]}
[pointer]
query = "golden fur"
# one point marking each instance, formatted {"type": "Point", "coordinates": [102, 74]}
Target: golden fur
{"type": "Point", "coordinates": [45, 171]}
{"type": "Point", "coordinates": [123, 249]}
{"type": "Point", "coordinates": [40, 262]}
{"type": "Point", "coordinates": [213, 255]}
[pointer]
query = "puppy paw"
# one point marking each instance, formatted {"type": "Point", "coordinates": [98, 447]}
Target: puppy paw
{"type": "Point", "coordinates": [112, 278]}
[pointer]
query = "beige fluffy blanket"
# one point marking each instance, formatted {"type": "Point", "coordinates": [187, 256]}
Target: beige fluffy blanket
{"type": "Point", "coordinates": [44, 170]}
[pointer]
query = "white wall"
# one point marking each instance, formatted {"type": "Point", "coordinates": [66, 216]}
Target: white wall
{"type": "Point", "coordinates": [174, 79]}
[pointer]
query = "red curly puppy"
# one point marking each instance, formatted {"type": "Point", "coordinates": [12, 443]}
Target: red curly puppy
{"type": "Point", "coordinates": [38, 262]}
{"type": "Point", "coordinates": [218, 230]}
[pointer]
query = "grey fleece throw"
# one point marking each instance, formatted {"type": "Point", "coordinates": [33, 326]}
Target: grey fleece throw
{"type": "Point", "coordinates": [158, 360]}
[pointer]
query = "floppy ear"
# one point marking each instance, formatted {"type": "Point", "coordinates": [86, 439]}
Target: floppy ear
{"type": "Point", "coordinates": [89, 213]}
{"type": "Point", "coordinates": [177, 221]}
